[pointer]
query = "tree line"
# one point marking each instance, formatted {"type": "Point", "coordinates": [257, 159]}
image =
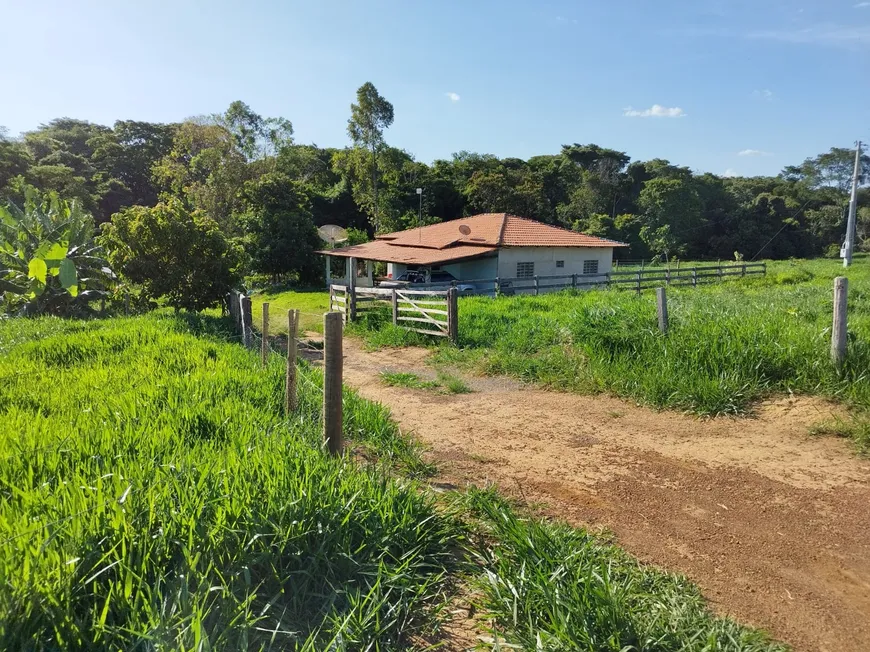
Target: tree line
{"type": "Point", "coordinates": [186, 209]}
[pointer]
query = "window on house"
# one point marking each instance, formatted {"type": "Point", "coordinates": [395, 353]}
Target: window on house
{"type": "Point", "coordinates": [525, 270]}
{"type": "Point", "coordinates": [560, 263]}
{"type": "Point", "coordinates": [590, 266]}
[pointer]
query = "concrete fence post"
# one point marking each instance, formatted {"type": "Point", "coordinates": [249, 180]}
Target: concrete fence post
{"type": "Point", "coordinates": [395, 301]}
{"type": "Point", "coordinates": [662, 308]}
{"type": "Point", "coordinates": [839, 330]}
{"type": "Point", "coordinates": [247, 321]}
{"type": "Point", "coordinates": [332, 381]}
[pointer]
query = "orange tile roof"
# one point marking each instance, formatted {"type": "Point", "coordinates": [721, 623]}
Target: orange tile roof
{"type": "Point", "coordinates": [385, 251]}
{"type": "Point", "coordinates": [439, 243]}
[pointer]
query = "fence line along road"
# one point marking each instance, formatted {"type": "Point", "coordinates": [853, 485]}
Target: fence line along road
{"type": "Point", "coordinates": [637, 280]}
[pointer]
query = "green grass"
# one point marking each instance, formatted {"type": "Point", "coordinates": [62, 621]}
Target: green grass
{"type": "Point", "coordinates": [406, 379]}
{"type": "Point", "coordinates": [445, 383]}
{"type": "Point", "coordinates": [153, 496]}
{"type": "Point", "coordinates": [552, 587]}
{"type": "Point", "coordinates": [311, 306]}
{"type": "Point", "coordinates": [728, 345]}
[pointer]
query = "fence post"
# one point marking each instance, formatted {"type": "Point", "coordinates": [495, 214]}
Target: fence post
{"type": "Point", "coordinates": [395, 299]}
{"type": "Point", "coordinates": [264, 344]}
{"type": "Point", "coordinates": [452, 316]}
{"type": "Point", "coordinates": [332, 376]}
{"type": "Point", "coordinates": [574, 281]}
{"type": "Point", "coordinates": [497, 286]}
{"type": "Point", "coordinates": [743, 270]}
{"type": "Point", "coordinates": [350, 306]}
{"type": "Point", "coordinates": [764, 269]}
{"type": "Point", "coordinates": [668, 276]}
{"type": "Point", "coordinates": [247, 322]}
{"type": "Point", "coordinates": [838, 332]}
{"type": "Point", "coordinates": [694, 277]}
{"type": "Point", "coordinates": [290, 387]}
{"type": "Point", "coordinates": [637, 277]}
{"type": "Point", "coordinates": [662, 307]}
{"type": "Point", "coordinates": [331, 296]}
{"type": "Point", "coordinates": [536, 285]}
{"type": "Point", "coordinates": [720, 270]}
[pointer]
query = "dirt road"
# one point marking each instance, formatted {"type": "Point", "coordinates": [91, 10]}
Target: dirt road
{"type": "Point", "coordinates": [773, 524]}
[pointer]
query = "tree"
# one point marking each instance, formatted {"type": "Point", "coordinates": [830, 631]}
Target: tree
{"type": "Point", "coordinates": [368, 118]}
{"type": "Point", "coordinates": [207, 169]}
{"type": "Point", "coordinates": [15, 160]}
{"type": "Point", "coordinates": [280, 235]}
{"type": "Point", "coordinates": [671, 210]}
{"type": "Point", "coordinates": [256, 137]}
{"type": "Point", "coordinates": [833, 168]}
{"type": "Point", "coordinates": [49, 263]}
{"type": "Point", "coordinates": [174, 254]}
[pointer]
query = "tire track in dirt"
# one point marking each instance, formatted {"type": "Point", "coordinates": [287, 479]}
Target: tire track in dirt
{"type": "Point", "coordinates": [773, 525]}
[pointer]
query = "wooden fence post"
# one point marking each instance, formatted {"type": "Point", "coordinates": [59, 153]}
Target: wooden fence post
{"type": "Point", "coordinates": [332, 380]}
{"type": "Point", "coordinates": [662, 307]}
{"type": "Point", "coordinates": [247, 322]}
{"type": "Point", "coordinates": [331, 297]}
{"type": "Point", "coordinates": [350, 306]}
{"type": "Point", "coordinates": [264, 344]}
{"type": "Point", "coordinates": [395, 300]}
{"type": "Point", "coordinates": [637, 277]}
{"type": "Point", "coordinates": [743, 270]}
{"type": "Point", "coordinates": [290, 387]}
{"type": "Point", "coordinates": [452, 316]}
{"type": "Point", "coordinates": [720, 270]}
{"type": "Point", "coordinates": [838, 332]}
{"type": "Point", "coordinates": [574, 281]}
{"type": "Point", "coordinates": [497, 286]}
{"type": "Point", "coordinates": [536, 285]}
{"type": "Point", "coordinates": [694, 277]}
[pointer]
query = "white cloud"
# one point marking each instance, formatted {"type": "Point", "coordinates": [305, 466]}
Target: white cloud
{"type": "Point", "coordinates": [655, 111]}
{"type": "Point", "coordinates": [862, 4]}
{"type": "Point", "coordinates": [764, 94]}
{"type": "Point", "coordinates": [753, 152]}
{"type": "Point", "coordinates": [454, 97]}
{"type": "Point", "coordinates": [730, 172]}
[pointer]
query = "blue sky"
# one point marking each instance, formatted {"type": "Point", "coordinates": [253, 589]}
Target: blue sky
{"type": "Point", "coordinates": [745, 86]}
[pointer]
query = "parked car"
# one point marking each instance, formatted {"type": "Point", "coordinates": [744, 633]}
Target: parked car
{"type": "Point", "coordinates": [438, 279]}
{"type": "Point", "coordinates": [404, 279]}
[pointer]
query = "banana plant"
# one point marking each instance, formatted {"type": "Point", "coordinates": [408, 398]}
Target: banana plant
{"type": "Point", "coordinates": [49, 263]}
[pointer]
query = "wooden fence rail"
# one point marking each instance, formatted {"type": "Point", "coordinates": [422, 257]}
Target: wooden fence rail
{"type": "Point", "coordinates": [432, 312]}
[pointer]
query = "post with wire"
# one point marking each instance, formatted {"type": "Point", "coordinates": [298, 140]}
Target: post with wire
{"type": "Point", "coordinates": [332, 382]}
{"type": "Point", "coordinates": [264, 344]}
{"type": "Point", "coordinates": [290, 388]}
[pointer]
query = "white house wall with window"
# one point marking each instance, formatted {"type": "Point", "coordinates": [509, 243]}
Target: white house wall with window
{"type": "Point", "coordinates": [483, 247]}
{"type": "Point", "coordinates": [545, 261]}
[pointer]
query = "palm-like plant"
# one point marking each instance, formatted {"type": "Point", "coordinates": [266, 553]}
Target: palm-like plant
{"type": "Point", "coordinates": [49, 263]}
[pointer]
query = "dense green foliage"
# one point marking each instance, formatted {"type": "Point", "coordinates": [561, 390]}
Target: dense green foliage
{"type": "Point", "coordinates": [173, 254]}
{"type": "Point", "coordinates": [152, 494]}
{"type": "Point", "coordinates": [552, 587]}
{"type": "Point", "coordinates": [49, 263]}
{"type": "Point", "coordinates": [247, 174]}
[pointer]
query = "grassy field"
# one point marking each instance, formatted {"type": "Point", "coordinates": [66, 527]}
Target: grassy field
{"type": "Point", "coordinates": [730, 344]}
{"type": "Point", "coordinates": [153, 496]}
{"type": "Point", "coordinates": [311, 306]}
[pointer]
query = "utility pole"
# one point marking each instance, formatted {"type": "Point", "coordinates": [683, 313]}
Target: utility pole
{"type": "Point", "coordinates": [853, 211]}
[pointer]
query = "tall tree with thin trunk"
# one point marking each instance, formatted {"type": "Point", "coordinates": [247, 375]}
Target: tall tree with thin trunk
{"type": "Point", "coordinates": [368, 118]}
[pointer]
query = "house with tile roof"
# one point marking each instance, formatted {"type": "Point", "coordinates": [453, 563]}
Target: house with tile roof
{"type": "Point", "coordinates": [483, 246]}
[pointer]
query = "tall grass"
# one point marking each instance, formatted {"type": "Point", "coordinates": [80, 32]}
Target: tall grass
{"type": "Point", "coordinates": [728, 344]}
{"type": "Point", "coordinates": [552, 587]}
{"type": "Point", "coordinates": [153, 496]}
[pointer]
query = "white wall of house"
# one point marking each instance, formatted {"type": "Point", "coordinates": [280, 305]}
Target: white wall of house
{"type": "Point", "coordinates": [470, 270]}
{"type": "Point", "coordinates": [545, 260]}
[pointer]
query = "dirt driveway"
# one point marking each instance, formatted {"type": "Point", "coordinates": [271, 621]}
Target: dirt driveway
{"type": "Point", "coordinates": [774, 525]}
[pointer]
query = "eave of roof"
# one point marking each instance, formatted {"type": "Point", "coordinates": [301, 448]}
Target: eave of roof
{"type": "Point", "coordinates": [385, 252]}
